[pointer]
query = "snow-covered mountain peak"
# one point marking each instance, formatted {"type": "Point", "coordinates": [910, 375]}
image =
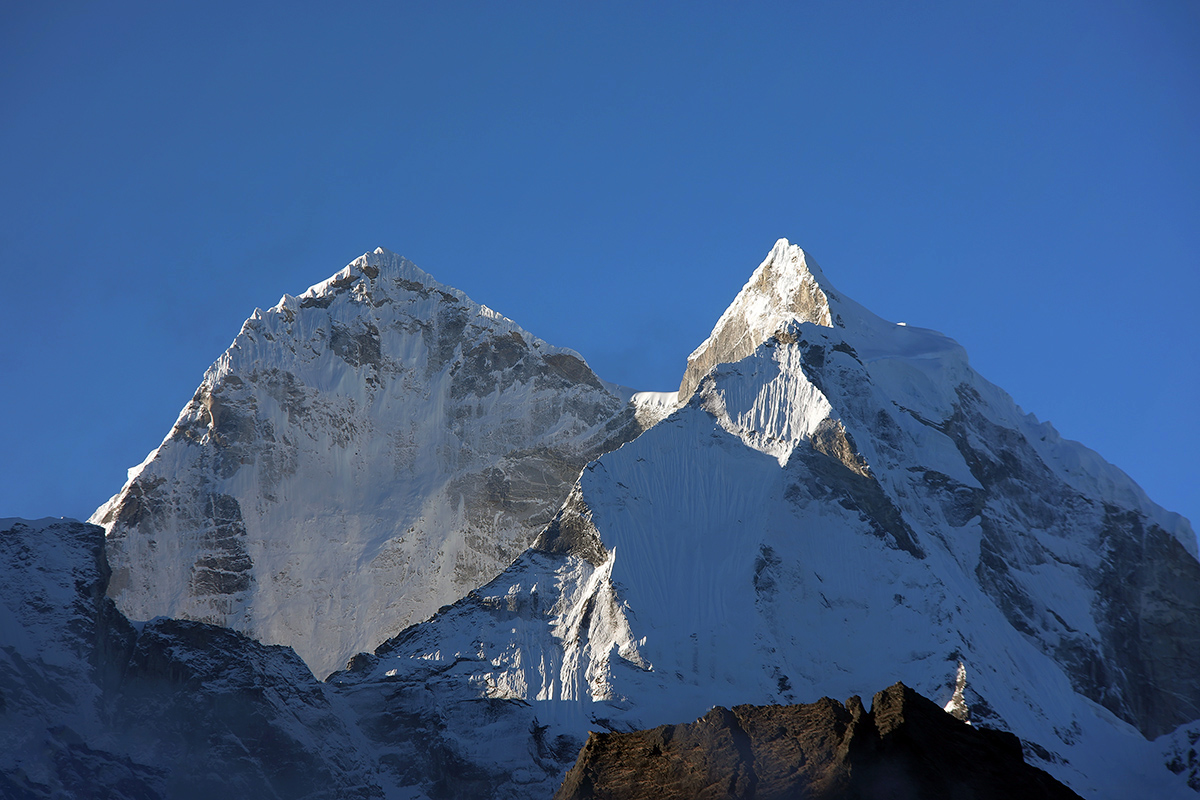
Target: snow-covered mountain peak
{"type": "Point", "coordinates": [786, 275]}
{"type": "Point", "coordinates": [834, 501]}
{"type": "Point", "coordinates": [923, 374]}
{"type": "Point", "coordinates": [838, 503]}
{"type": "Point", "coordinates": [797, 327]}
{"type": "Point", "coordinates": [790, 287]}
{"type": "Point", "coordinates": [783, 288]}
{"type": "Point", "coordinates": [361, 454]}
{"type": "Point", "coordinates": [378, 276]}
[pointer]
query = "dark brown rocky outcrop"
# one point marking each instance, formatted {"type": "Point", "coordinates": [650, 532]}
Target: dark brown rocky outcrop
{"type": "Point", "coordinates": [904, 747]}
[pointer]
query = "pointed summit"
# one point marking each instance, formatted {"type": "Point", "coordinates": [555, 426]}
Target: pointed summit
{"type": "Point", "coordinates": [786, 286]}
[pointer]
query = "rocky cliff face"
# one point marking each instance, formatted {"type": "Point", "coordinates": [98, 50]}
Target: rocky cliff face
{"type": "Point", "coordinates": [904, 747]}
{"type": "Point", "coordinates": [61, 646]}
{"type": "Point", "coordinates": [361, 455]}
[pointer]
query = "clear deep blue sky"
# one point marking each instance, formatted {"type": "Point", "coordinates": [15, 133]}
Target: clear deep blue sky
{"type": "Point", "coordinates": [1023, 176]}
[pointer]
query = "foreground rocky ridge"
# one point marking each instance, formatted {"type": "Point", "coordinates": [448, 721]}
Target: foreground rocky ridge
{"type": "Point", "coordinates": [904, 747]}
{"type": "Point", "coordinates": [359, 456]}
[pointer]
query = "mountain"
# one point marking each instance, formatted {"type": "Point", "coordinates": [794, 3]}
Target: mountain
{"type": "Point", "coordinates": [359, 456]}
{"type": "Point", "coordinates": [845, 505]}
{"type": "Point", "coordinates": [831, 503]}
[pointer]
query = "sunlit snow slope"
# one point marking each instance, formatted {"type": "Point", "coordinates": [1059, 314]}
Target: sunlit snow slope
{"type": "Point", "coordinates": [841, 504]}
{"type": "Point", "coordinates": [359, 456]}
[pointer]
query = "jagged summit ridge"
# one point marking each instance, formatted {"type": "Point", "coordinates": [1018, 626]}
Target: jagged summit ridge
{"type": "Point", "coordinates": [403, 273]}
{"type": "Point", "coordinates": [362, 454]}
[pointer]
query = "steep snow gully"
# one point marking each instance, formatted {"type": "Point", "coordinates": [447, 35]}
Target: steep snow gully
{"type": "Point", "coordinates": [830, 503]}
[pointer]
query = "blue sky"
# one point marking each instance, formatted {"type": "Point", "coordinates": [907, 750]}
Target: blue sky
{"type": "Point", "coordinates": [1021, 176]}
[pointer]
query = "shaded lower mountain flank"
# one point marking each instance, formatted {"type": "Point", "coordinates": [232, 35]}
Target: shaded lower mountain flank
{"type": "Point", "coordinates": [904, 747]}
{"type": "Point", "coordinates": [93, 706]}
